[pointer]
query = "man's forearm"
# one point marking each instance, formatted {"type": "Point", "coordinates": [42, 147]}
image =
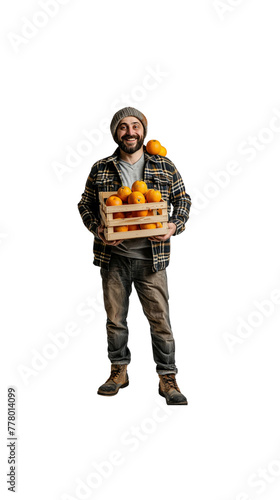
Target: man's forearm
{"type": "Point", "coordinates": [180, 213]}
{"type": "Point", "coordinates": [88, 217]}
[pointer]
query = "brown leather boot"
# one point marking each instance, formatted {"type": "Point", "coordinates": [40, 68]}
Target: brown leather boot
{"type": "Point", "coordinates": [169, 389]}
{"type": "Point", "coordinates": [117, 380]}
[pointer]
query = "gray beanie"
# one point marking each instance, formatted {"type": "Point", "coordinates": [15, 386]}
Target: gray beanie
{"type": "Point", "coordinates": [123, 113]}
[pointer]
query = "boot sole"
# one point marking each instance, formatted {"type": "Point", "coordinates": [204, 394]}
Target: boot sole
{"type": "Point", "coordinates": [113, 393]}
{"type": "Point", "coordinates": [169, 403]}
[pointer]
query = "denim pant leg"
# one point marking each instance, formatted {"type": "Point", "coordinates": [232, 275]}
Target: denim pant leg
{"type": "Point", "coordinates": [152, 291]}
{"type": "Point", "coordinates": [117, 287]}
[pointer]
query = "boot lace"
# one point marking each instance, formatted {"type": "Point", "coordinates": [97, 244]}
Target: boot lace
{"type": "Point", "coordinates": [115, 372]}
{"type": "Point", "coordinates": [169, 381]}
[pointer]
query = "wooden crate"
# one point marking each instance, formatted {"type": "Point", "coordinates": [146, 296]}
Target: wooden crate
{"type": "Point", "coordinates": [110, 223]}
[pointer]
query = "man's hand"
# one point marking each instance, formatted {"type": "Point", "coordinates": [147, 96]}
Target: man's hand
{"type": "Point", "coordinates": [100, 231]}
{"type": "Point", "coordinates": [171, 230]}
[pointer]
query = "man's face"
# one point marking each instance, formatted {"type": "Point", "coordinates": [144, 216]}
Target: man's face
{"type": "Point", "coordinates": [130, 134]}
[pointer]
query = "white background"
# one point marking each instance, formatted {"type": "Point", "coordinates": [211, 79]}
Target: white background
{"type": "Point", "coordinates": [217, 89]}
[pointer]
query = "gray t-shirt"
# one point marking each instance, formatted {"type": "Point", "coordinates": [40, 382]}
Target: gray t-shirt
{"type": "Point", "coordinates": [137, 248]}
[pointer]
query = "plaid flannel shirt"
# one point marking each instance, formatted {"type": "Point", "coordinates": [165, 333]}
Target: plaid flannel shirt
{"type": "Point", "coordinates": [159, 173]}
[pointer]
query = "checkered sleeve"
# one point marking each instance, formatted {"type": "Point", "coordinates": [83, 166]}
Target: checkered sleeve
{"type": "Point", "coordinates": [181, 202]}
{"type": "Point", "coordinates": [88, 206]}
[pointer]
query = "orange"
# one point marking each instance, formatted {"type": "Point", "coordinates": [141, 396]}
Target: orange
{"type": "Point", "coordinates": [163, 151]}
{"type": "Point", "coordinates": [159, 224]}
{"type": "Point", "coordinates": [139, 186]}
{"type": "Point", "coordinates": [123, 193]}
{"type": "Point", "coordinates": [118, 215]}
{"type": "Point", "coordinates": [150, 225]}
{"type": "Point", "coordinates": [133, 227]}
{"type": "Point", "coordinates": [120, 229]}
{"type": "Point", "coordinates": [153, 196]}
{"type": "Point", "coordinates": [136, 197]}
{"type": "Point", "coordinates": [153, 147]}
{"type": "Point", "coordinates": [131, 215]}
{"type": "Point", "coordinates": [150, 212]}
{"type": "Point", "coordinates": [113, 201]}
{"type": "Point", "coordinates": [141, 213]}
{"type": "Point", "coordinates": [147, 193]}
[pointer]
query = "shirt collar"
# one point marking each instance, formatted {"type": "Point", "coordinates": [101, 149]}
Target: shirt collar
{"type": "Point", "coordinates": [147, 156]}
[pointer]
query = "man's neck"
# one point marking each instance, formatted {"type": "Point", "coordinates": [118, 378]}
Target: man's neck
{"type": "Point", "coordinates": [131, 158]}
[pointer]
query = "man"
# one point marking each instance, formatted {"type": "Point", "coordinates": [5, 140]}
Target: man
{"type": "Point", "coordinates": [141, 261]}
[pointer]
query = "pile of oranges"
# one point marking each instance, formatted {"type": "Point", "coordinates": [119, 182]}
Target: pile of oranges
{"type": "Point", "coordinates": [139, 193]}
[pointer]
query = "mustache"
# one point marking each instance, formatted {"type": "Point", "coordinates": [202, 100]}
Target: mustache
{"type": "Point", "coordinates": [130, 137]}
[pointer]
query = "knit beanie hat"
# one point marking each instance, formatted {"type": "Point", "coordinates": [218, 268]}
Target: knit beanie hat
{"type": "Point", "coordinates": [123, 113]}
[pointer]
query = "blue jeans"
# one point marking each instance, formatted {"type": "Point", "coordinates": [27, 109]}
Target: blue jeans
{"type": "Point", "coordinates": [152, 291]}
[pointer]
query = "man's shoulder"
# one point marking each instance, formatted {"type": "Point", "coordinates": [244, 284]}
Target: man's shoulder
{"type": "Point", "coordinates": [160, 163]}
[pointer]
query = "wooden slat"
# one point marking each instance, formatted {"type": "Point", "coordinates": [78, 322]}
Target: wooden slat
{"type": "Point", "coordinates": [136, 220]}
{"type": "Point", "coordinates": [135, 207]}
{"type": "Point", "coordinates": [140, 233]}
{"type": "Point", "coordinates": [103, 217]}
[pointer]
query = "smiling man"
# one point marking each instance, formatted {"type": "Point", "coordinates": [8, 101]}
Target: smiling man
{"type": "Point", "coordinates": [139, 261]}
{"type": "Point", "coordinates": [130, 137]}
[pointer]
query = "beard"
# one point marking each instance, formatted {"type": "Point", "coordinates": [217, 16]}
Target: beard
{"type": "Point", "coordinates": [131, 149]}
